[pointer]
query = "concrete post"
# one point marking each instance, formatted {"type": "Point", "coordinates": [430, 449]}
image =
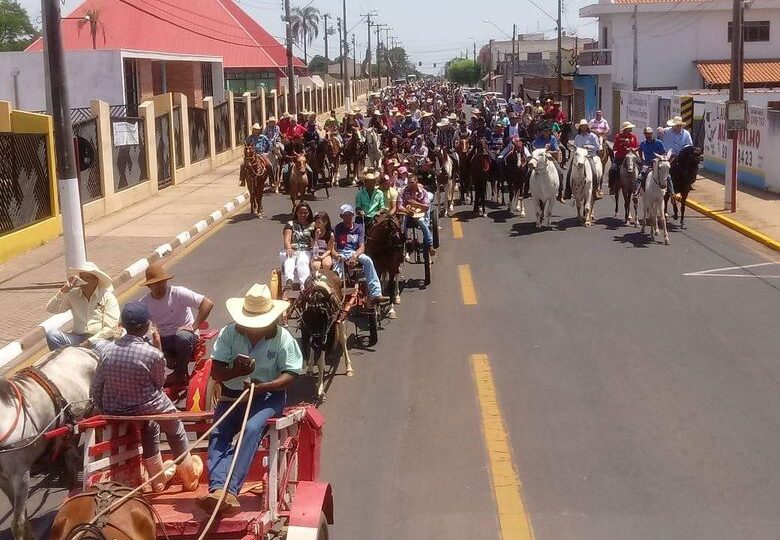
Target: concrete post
{"type": "Point", "coordinates": [208, 103]}
{"type": "Point", "coordinates": [248, 112]}
{"type": "Point", "coordinates": [184, 113]}
{"type": "Point", "coordinates": [276, 103]}
{"type": "Point", "coordinates": [286, 101]}
{"type": "Point", "coordinates": [146, 111]}
{"type": "Point", "coordinates": [263, 113]}
{"type": "Point", "coordinates": [232, 117]}
{"type": "Point", "coordinates": [104, 150]}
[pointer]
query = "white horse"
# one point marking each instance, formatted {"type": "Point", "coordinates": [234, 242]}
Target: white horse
{"type": "Point", "coordinates": [582, 186]}
{"type": "Point", "coordinates": [374, 154]}
{"type": "Point", "coordinates": [653, 198]}
{"type": "Point", "coordinates": [27, 410]}
{"type": "Point", "coordinates": [446, 172]}
{"type": "Point", "coordinates": [544, 185]}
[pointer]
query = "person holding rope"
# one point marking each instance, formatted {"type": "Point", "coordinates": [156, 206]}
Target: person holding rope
{"type": "Point", "coordinates": [253, 349]}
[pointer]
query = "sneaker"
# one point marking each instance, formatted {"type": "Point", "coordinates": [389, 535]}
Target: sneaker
{"type": "Point", "coordinates": [230, 506]}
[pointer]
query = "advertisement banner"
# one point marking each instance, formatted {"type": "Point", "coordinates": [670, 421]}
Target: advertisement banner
{"type": "Point", "coordinates": [752, 142]}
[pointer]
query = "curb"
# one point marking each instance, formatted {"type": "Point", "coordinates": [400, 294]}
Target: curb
{"type": "Point", "coordinates": [31, 341]}
{"type": "Point", "coordinates": [735, 225]}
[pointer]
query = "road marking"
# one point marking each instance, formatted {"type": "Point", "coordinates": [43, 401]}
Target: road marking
{"type": "Point", "coordinates": [512, 516]}
{"type": "Point", "coordinates": [467, 285]}
{"type": "Point", "coordinates": [457, 229]}
{"type": "Point", "coordinates": [716, 272]}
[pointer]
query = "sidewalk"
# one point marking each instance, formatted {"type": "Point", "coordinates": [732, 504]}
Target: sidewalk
{"type": "Point", "coordinates": [757, 209]}
{"type": "Point", "coordinates": [113, 242]}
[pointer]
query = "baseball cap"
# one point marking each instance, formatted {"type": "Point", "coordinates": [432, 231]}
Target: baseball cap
{"type": "Point", "coordinates": [346, 209]}
{"type": "Point", "coordinates": [134, 315]}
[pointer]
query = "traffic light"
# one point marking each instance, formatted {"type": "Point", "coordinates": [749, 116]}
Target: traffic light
{"type": "Point", "coordinates": [434, 64]}
{"type": "Point", "coordinates": [419, 64]}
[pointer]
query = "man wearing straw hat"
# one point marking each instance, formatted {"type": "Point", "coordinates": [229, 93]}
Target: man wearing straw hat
{"type": "Point", "coordinates": [89, 296]}
{"type": "Point", "coordinates": [676, 137]}
{"type": "Point", "coordinates": [624, 142]}
{"type": "Point", "coordinates": [252, 349]}
{"type": "Point", "coordinates": [260, 142]}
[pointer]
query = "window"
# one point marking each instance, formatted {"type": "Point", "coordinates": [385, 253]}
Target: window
{"type": "Point", "coordinates": [752, 31]}
{"type": "Point", "coordinates": [534, 56]}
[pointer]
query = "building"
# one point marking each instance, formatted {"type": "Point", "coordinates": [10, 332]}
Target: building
{"type": "Point", "coordinates": [656, 45]}
{"type": "Point", "coordinates": [149, 47]}
{"type": "Point", "coordinates": [535, 58]}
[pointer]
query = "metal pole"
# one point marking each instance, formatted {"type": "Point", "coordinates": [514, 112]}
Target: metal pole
{"type": "Point", "coordinates": [560, 54]}
{"type": "Point", "coordinates": [378, 59]}
{"type": "Point", "coordinates": [512, 75]}
{"type": "Point", "coordinates": [368, 48]}
{"type": "Point", "coordinates": [635, 26]}
{"type": "Point", "coordinates": [347, 87]}
{"type": "Point", "coordinates": [735, 94]}
{"type": "Point", "coordinates": [341, 49]}
{"type": "Point", "coordinates": [327, 60]}
{"type": "Point", "coordinates": [67, 173]}
{"type": "Point", "coordinates": [354, 57]}
{"type": "Point", "coordinates": [290, 68]}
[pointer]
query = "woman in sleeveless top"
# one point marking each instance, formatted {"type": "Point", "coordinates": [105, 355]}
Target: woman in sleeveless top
{"type": "Point", "coordinates": [323, 242]}
{"type": "Point", "coordinates": [296, 255]}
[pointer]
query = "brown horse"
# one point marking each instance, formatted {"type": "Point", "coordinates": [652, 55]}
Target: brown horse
{"type": "Point", "coordinates": [479, 172]}
{"type": "Point", "coordinates": [332, 158]}
{"type": "Point", "coordinates": [132, 520]}
{"type": "Point", "coordinates": [624, 183]}
{"type": "Point", "coordinates": [385, 246]}
{"type": "Point", "coordinates": [684, 170]}
{"type": "Point", "coordinates": [298, 180]}
{"type": "Point", "coordinates": [354, 154]}
{"type": "Point", "coordinates": [255, 170]}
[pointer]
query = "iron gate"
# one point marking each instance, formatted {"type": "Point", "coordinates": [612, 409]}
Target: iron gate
{"type": "Point", "coordinates": [179, 143]}
{"type": "Point", "coordinates": [163, 146]}
{"type": "Point", "coordinates": [239, 108]}
{"type": "Point", "coordinates": [129, 159]}
{"type": "Point", "coordinates": [222, 127]}
{"type": "Point", "coordinates": [199, 139]}
{"type": "Point", "coordinates": [90, 183]}
{"type": "Point", "coordinates": [25, 187]}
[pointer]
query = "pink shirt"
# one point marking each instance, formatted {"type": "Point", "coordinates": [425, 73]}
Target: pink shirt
{"type": "Point", "coordinates": [174, 310]}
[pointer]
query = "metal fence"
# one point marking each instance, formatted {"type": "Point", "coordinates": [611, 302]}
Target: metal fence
{"type": "Point", "coordinates": [179, 142]}
{"type": "Point", "coordinates": [79, 114]}
{"type": "Point", "coordinates": [129, 159]}
{"type": "Point", "coordinates": [199, 139]}
{"type": "Point", "coordinates": [257, 117]}
{"type": "Point", "coordinates": [222, 127]}
{"type": "Point", "coordinates": [163, 148]}
{"type": "Point", "coordinates": [25, 188]}
{"type": "Point", "coordinates": [90, 182]}
{"type": "Point", "coordinates": [239, 109]}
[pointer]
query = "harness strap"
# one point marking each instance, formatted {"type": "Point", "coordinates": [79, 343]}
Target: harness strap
{"type": "Point", "coordinates": [49, 387]}
{"type": "Point", "coordinates": [20, 404]}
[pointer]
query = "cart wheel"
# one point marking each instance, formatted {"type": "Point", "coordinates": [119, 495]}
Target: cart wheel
{"type": "Point", "coordinates": [427, 260]}
{"type": "Point", "coordinates": [435, 227]}
{"type": "Point", "coordinates": [373, 328]}
{"type": "Point", "coordinates": [322, 530]}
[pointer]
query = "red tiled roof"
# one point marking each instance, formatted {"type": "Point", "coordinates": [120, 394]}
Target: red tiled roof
{"type": "Point", "coordinates": [660, 1]}
{"type": "Point", "coordinates": [756, 72]}
{"type": "Point", "coordinates": [205, 27]}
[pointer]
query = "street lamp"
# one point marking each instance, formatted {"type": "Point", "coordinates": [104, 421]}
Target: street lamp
{"type": "Point", "coordinates": [487, 21]}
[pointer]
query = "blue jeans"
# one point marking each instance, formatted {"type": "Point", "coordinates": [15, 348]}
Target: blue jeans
{"type": "Point", "coordinates": [221, 450]}
{"type": "Point", "coordinates": [178, 348]}
{"type": "Point", "coordinates": [424, 227]}
{"type": "Point", "coordinates": [57, 339]}
{"type": "Point", "coordinates": [372, 279]}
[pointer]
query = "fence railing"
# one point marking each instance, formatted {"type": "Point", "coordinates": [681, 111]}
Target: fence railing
{"type": "Point", "coordinates": [129, 152]}
{"type": "Point", "coordinates": [90, 184]}
{"type": "Point", "coordinates": [222, 127]}
{"type": "Point", "coordinates": [199, 139]}
{"type": "Point", "coordinates": [25, 187]}
{"type": "Point", "coordinates": [239, 113]}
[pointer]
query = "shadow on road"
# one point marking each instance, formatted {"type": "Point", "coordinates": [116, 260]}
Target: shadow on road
{"type": "Point", "coordinates": [525, 228]}
{"type": "Point", "coordinates": [636, 239]}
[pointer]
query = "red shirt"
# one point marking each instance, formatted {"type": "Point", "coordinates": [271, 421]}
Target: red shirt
{"type": "Point", "coordinates": [283, 124]}
{"type": "Point", "coordinates": [294, 133]}
{"type": "Point", "coordinates": [624, 143]}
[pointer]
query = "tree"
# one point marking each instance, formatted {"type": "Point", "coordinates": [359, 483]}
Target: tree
{"type": "Point", "coordinates": [463, 71]}
{"type": "Point", "coordinates": [92, 18]}
{"type": "Point", "coordinates": [16, 30]}
{"type": "Point", "coordinates": [305, 26]}
{"type": "Point", "coordinates": [318, 64]}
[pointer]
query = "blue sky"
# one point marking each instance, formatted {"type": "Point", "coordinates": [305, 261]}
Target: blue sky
{"type": "Point", "coordinates": [432, 31]}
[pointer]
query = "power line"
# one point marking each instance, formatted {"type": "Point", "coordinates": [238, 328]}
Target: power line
{"type": "Point", "coordinates": [188, 21]}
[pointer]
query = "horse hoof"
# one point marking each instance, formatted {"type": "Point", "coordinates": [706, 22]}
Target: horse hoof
{"type": "Point", "coordinates": [391, 314]}
{"type": "Point", "coordinates": [397, 300]}
{"type": "Point", "coordinates": [666, 241]}
{"type": "Point", "coordinates": [522, 213]}
{"type": "Point", "coordinates": [350, 373]}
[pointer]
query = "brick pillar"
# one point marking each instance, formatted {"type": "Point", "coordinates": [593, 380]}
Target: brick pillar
{"type": "Point", "coordinates": [184, 113]}
{"type": "Point", "coordinates": [208, 104]}
{"type": "Point", "coordinates": [105, 148]}
{"type": "Point", "coordinates": [248, 111]}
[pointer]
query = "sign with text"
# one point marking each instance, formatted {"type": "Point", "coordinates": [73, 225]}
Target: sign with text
{"type": "Point", "coordinates": [126, 133]}
{"type": "Point", "coordinates": [641, 109]}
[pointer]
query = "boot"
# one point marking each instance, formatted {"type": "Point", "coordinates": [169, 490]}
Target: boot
{"type": "Point", "coordinates": [153, 466]}
{"type": "Point", "coordinates": [189, 471]}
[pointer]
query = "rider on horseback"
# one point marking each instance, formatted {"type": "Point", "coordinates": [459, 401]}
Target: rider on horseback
{"type": "Point", "coordinates": [624, 142]}
{"type": "Point", "coordinates": [676, 137]}
{"type": "Point", "coordinates": [260, 142]}
{"type": "Point", "coordinates": [414, 203]}
{"type": "Point", "coordinates": [369, 201]}
{"type": "Point", "coordinates": [587, 140]}
{"type": "Point", "coordinates": [648, 150]}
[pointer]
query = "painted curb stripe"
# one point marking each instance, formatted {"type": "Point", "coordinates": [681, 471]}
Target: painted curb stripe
{"type": "Point", "coordinates": [467, 285]}
{"type": "Point", "coordinates": [183, 237]}
{"type": "Point", "coordinates": [56, 321]}
{"type": "Point", "coordinates": [735, 225]}
{"type": "Point", "coordinates": [9, 352]}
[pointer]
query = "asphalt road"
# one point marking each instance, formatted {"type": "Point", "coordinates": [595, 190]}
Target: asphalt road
{"type": "Point", "coordinates": [639, 402]}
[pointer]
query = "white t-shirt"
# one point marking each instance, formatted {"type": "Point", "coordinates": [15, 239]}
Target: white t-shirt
{"type": "Point", "coordinates": [174, 310]}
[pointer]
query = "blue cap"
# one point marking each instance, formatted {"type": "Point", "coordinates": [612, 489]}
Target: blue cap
{"type": "Point", "coordinates": [134, 315]}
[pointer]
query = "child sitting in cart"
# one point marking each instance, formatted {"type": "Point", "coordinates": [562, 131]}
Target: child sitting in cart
{"type": "Point", "coordinates": [128, 382]}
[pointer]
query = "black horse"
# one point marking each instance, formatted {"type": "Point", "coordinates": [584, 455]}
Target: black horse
{"type": "Point", "coordinates": [685, 168]}
{"type": "Point", "coordinates": [480, 172]}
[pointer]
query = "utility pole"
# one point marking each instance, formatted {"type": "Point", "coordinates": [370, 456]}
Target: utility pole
{"type": "Point", "coordinates": [354, 56]}
{"type": "Point", "coordinates": [368, 50]}
{"type": "Point", "coordinates": [636, 48]}
{"type": "Point", "coordinates": [347, 86]}
{"type": "Point", "coordinates": [475, 52]}
{"type": "Point", "coordinates": [736, 101]}
{"type": "Point", "coordinates": [290, 68]}
{"type": "Point", "coordinates": [560, 54]}
{"type": "Point", "coordinates": [341, 49]}
{"type": "Point", "coordinates": [67, 173]}
{"type": "Point", "coordinates": [378, 59]}
{"type": "Point", "coordinates": [512, 76]}
{"type": "Point", "coordinates": [327, 60]}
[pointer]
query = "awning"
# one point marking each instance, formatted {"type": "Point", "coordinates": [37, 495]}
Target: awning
{"type": "Point", "coordinates": [757, 73]}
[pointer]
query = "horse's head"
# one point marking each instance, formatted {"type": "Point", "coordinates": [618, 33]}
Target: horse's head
{"type": "Point", "coordinates": [630, 162]}
{"type": "Point", "coordinates": [249, 152]}
{"type": "Point", "coordinates": [319, 303]}
{"type": "Point", "coordinates": [385, 240]}
{"type": "Point", "coordinates": [580, 158]}
{"type": "Point", "coordinates": [538, 159]}
{"type": "Point", "coordinates": [661, 168]}
{"type": "Point", "coordinates": [300, 163]}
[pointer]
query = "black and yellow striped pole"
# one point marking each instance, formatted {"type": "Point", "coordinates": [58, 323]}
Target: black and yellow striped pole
{"type": "Point", "coordinates": [686, 111]}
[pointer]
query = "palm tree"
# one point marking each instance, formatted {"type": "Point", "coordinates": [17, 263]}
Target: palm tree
{"type": "Point", "coordinates": [92, 18]}
{"type": "Point", "coordinates": [305, 26]}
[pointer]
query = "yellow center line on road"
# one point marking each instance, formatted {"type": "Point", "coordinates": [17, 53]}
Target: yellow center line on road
{"type": "Point", "coordinates": [512, 516]}
{"type": "Point", "coordinates": [457, 229]}
{"type": "Point", "coordinates": [467, 285]}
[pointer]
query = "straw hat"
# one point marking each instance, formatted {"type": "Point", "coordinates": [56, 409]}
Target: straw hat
{"type": "Point", "coordinates": [453, 117]}
{"type": "Point", "coordinates": [444, 122]}
{"type": "Point", "coordinates": [257, 309]}
{"type": "Point", "coordinates": [583, 122]}
{"type": "Point", "coordinates": [256, 126]}
{"type": "Point", "coordinates": [104, 280]}
{"type": "Point", "coordinates": [271, 119]}
{"type": "Point", "coordinates": [626, 125]}
{"type": "Point", "coordinates": [155, 273]}
{"type": "Point", "coordinates": [370, 173]}
{"type": "Point", "coordinates": [676, 121]}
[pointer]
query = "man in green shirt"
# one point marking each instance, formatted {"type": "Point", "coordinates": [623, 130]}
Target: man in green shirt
{"type": "Point", "coordinates": [369, 201]}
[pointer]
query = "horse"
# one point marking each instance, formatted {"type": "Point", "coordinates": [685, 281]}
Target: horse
{"type": "Point", "coordinates": [135, 519]}
{"type": "Point", "coordinates": [34, 400]}
{"type": "Point", "coordinates": [582, 186]}
{"type": "Point", "coordinates": [385, 245]}
{"type": "Point", "coordinates": [479, 170]}
{"type": "Point", "coordinates": [684, 169]}
{"type": "Point", "coordinates": [563, 140]}
{"type": "Point", "coordinates": [354, 155]}
{"type": "Point", "coordinates": [544, 184]}
{"type": "Point", "coordinates": [517, 175]}
{"type": "Point", "coordinates": [654, 193]}
{"type": "Point", "coordinates": [332, 158]}
{"type": "Point", "coordinates": [298, 180]}
{"type": "Point", "coordinates": [256, 171]}
{"type": "Point", "coordinates": [464, 177]}
{"type": "Point", "coordinates": [626, 180]}
{"type": "Point", "coordinates": [275, 158]}
{"type": "Point", "coordinates": [445, 181]}
{"type": "Point", "coordinates": [321, 323]}
{"type": "Point", "coordinates": [374, 154]}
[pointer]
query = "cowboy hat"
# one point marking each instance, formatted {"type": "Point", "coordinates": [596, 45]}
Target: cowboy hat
{"type": "Point", "coordinates": [271, 119]}
{"type": "Point", "coordinates": [394, 110]}
{"type": "Point", "coordinates": [476, 111]}
{"type": "Point", "coordinates": [346, 209]}
{"type": "Point", "coordinates": [583, 122]}
{"type": "Point", "coordinates": [452, 117]}
{"type": "Point", "coordinates": [257, 309]}
{"type": "Point", "coordinates": [104, 280]}
{"type": "Point", "coordinates": [286, 115]}
{"type": "Point", "coordinates": [443, 122]}
{"type": "Point", "coordinates": [155, 273]}
{"type": "Point", "coordinates": [676, 121]}
{"type": "Point", "coordinates": [648, 129]}
{"type": "Point", "coordinates": [626, 125]}
{"type": "Point", "coordinates": [377, 113]}
{"type": "Point", "coordinates": [370, 173]}
{"type": "Point", "coordinates": [427, 114]}
{"type": "Point", "coordinates": [357, 109]}
{"type": "Point", "coordinates": [256, 126]}
{"type": "Point", "coordinates": [397, 114]}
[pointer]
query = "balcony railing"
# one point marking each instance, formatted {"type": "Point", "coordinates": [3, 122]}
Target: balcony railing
{"type": "Point", "coordinates": [597, 57]}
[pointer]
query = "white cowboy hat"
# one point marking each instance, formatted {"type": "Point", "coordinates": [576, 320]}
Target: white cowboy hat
{"type": "Point", "coordinates": [581, 123]}
{"type": "Point", "coordinates": [257, 309]}
{"type": "Point", "coordinates": [104, 280]}
{"type": "Point", "coordinates": [357, 110]}
{"type": "Point", "coordinates": [443, 122]}
{"type": "Point", "coordinates": [271, 119]}
{"type": "Point", "coordinates": [377, 113]}
{"type": "Point", "coordinates": [427, 114]}
{"type": "Point", "coordinates": [676, 121]}
{"type": "Point", "coordinates": [256, 126]}
{"type": "Point", "coordinates": [369, 173]}
{"type": "Point", "coordinates": [626, 125]}
{"type": "Point", "coordinates": [452, 117]}
{"type": "Point", "coordinates": [286, 115]}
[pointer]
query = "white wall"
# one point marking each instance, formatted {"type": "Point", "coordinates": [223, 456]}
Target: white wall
{"type": "Point", "coordinates": [90, 75]}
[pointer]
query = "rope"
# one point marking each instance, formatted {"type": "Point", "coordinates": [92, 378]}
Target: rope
{"type": "Point", "coordinates": [178, 460]}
